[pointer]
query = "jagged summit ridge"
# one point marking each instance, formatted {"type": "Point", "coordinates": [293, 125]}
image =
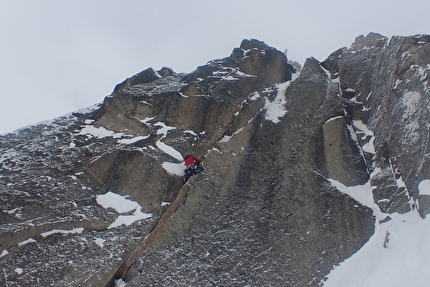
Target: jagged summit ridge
{"type": "Point", "coordinates": [147, 76]}
{"type": "Point", "coordinates": [277, 152]}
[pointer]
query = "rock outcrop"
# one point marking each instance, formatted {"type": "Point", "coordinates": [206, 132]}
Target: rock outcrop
{"type": "Point", "coordinates": [386, 86]}
{"type": "Point", "coordinates": [266, 210]}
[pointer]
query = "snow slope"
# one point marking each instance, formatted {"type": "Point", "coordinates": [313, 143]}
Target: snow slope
{"type": "Point", "coordinates": [398, 254]}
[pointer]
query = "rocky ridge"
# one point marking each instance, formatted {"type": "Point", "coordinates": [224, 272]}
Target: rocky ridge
{"type": "Point", "coordinates": [265, 211]}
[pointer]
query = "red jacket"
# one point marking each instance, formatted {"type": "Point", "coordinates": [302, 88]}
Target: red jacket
{"type": "Point", "coordinates": [189, 159]}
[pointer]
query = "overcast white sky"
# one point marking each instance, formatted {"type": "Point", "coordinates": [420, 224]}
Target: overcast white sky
{"type": "Point", "coordinates": [58, 56]}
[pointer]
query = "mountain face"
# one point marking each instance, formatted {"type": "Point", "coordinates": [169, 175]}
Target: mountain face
{"type": "Point", "coordinates": [80, 195]}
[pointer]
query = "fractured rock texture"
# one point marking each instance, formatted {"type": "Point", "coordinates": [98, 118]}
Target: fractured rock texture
{"type": "Point", "coordinates": [264, 212]}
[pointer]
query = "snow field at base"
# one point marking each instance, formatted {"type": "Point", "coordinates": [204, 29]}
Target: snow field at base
{"type": "Point", "coordinates": [122, 205]}
{"type": "Point", "coordinates": [397, 254]}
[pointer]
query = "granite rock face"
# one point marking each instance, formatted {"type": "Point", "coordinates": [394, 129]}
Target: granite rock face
{"type": "Point", "coordinates": [385, 86]}
{"type": "Point", "coordinates": [276, 146]}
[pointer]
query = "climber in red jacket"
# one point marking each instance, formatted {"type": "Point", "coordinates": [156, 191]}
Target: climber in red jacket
{"type": "Point", "coordinates": [193, 166]}
{"type": "Point", "coordinates": [189, 159]}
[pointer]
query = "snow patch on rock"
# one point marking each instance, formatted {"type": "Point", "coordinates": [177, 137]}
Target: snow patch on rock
{"type": "Point", "coordinates": [19, 270]}
{"type": "Point", "coordinates": [4, 253]}
{"type": "Point", "coordinates": [132, 140]}
{"type": "Point", "coordinates": [164, 130]}
{"type": "Point", "coordinates": [368, 147]}
{"type": "Point", "coordinates": [122, 205]}
{"type": "Point", "coordinates": [424, 187]}
{"type": "Point", "coordinates": [276, 109]}
{"type": "Point", "coordinates": [100, 242]}
{"type": "Point", "coordinates": [174, 168]}
{"type": "Point", "coordinates": [99, 132]}
{"type": "Point", "coordinates": [30, 240]}
{"type": "Point", "coordinates": [62, 231]}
